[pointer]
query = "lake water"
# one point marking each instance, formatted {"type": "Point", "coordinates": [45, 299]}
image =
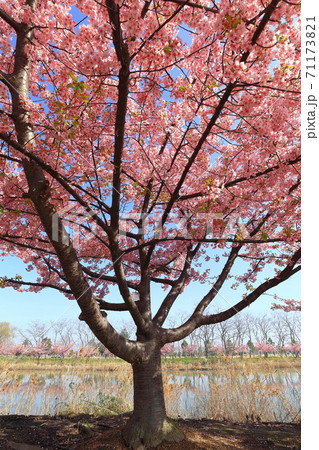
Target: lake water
{"type": "Point", "coordinates": [231, 395]}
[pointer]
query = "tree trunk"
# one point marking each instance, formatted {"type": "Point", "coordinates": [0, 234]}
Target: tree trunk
{"type": "Point", "coordinates": [149, 426]}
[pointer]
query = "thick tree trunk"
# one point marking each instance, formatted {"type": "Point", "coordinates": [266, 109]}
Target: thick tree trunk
{"type": "Point", "coordinates": [149, 426]}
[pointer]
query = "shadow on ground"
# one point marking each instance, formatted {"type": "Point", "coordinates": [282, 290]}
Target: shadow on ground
{"type": "Point", "coordinates": [85, 432]}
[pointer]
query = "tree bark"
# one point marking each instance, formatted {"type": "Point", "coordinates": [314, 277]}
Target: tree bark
{"type": "Point", "coordinates": [149, 425]}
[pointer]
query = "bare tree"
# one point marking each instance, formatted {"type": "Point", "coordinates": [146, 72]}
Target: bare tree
{"type": "Point", "coordinates": [35, 333]}
{"type": "Point", "coordinates": [62, 331]}
{"type": "Point", "coordinates": [292, 326]}
{"type": "Point", "coordinates": [239, 330]}
{"type": "Point", "coordinates": [279, 329]}
{"type": "Point", "coordinates": [205, 336]}
{"type": "Point", "coordinates": [83, 335]}
{"type": "Point", "coordinates": [263, 328]}
{"type": "Point", "coordinates": [224, 331]}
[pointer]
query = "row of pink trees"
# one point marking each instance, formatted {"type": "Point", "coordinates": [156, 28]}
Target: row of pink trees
{"type": "Point", "coordinates": [37, 350]}
{"type": "Point", "coordinates": [218, 349]}
{"type": "Point", "coordinates": [259, 347]}
{"type": "Point", "coordinates": [266, 348]}
{"type": "Point", "coordinates": [62, 351]}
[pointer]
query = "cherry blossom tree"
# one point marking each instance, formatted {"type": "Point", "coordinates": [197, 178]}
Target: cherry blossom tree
{"type": "Point", "coordinates": [14, 349]}
{"type": "Point", "coordinates": [143, 144]}
{"type": "Point", "coordinates": [167, 349]}
{"type": "Point", "coordinates": [190, 349]}
{"type": "Point", "coordinates": [86, 352]}
{"type": "Point", "coordinates": [241, 349]}
{"type": "Point", "coordinates": [38, 350]}
{"type": "Point", "coordinates": [4, 349]}
{"type": "Point", "coordinates": [293, 348]}
{"type": "Point", "coordinates": [216, 348]}
{"type": "Point", "coordinates": [61, 350]}
{"type": "Point", "coordinates": [265, 348]}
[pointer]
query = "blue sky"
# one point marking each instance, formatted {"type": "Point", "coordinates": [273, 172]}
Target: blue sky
{"type": "Point", "coordinates": [20, 308]}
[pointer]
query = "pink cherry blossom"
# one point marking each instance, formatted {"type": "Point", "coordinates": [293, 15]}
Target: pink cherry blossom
{"type": "Point", "coordinates": [190, 349]}
{"type": "Point", "coordinates": [218, 348]}
{"type": "Point", "coordinates": [137, 140]}
{"type": "Point", "coordinates": [167, 349]}
{"type": "Point", "coordinates": [61, 350]}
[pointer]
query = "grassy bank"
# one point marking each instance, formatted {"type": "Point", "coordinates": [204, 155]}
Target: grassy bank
{"type": "Point", "coordinates": [179, 363]}
{"type": "Point", "coordinates": [214, 363]}
{"type": "Point", "coordinates": [55, 364]}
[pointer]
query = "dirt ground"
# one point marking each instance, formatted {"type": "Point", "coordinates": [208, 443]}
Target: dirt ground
{"type": "Point", "coordinates": [84, 432]}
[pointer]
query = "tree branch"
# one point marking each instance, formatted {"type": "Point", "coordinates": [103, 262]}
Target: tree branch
{"type": "Point", "coordinates": [9, 20]}
{"type": "Point", "coordinates": [194, 5]}
{"type": "Point", "coordinates": [40, 194]}
{"type": "Point", "coordinates": [35, 284]}
{"type": "Point", "coordinates": [241, 179]}
{"type": "Point", "coordinates": [27, 246]}
{"type": "Point", "coordinates": [261, 173]}
{"type": "Point", "coordinates": [58, 177]}
{"type": "Point", "coordinates": [169, 300]}
{"type": "Point", "coordinates": [201, 141]}
{"type": "Point", "coordinates": [123, 91]}
{"type": "Point", "coordinates": [153, 242]}
{"type": "Point", "coordinates": [108, 278]}
{"type": "Point", "coordinates": [197, 320]}
{"type": "Point", "coordinates": [115, 306]}
{"type": "Point", "coordinates": [267, 14]}
{"type": "Point", "coordinates": [123, 57]}
{"type": "Point", "coordinates": [203, 304]}
{"type": "Point", "coordinates": [145, 9]}
{"type": "Point", "coordinates": [286, 273]}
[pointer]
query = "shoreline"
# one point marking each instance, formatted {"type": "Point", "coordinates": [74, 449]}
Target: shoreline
{"type": "Point", "coordinates": [182, 364]}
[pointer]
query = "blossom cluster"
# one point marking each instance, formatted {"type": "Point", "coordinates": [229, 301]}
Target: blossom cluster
{"type": "Point", "coordinates": [188, 147]}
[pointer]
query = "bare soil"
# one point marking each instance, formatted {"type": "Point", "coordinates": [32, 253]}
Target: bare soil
{"type": "Point", "coordinates": [85, 432]}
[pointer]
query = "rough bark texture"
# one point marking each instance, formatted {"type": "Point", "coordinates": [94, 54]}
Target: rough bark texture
{"type": "Point", "coordinates": [149, 426]}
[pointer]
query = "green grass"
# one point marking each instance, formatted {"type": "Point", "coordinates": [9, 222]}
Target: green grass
{"type": "Point", "coordinates": [169, 363]}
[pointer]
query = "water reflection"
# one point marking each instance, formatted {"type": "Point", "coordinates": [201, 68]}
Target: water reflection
{"type": "Point", "coordinates": [232, 396]}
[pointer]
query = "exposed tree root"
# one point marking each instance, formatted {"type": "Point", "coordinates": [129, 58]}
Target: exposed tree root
{"type": "Point", "coordinates": [138, 435]}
